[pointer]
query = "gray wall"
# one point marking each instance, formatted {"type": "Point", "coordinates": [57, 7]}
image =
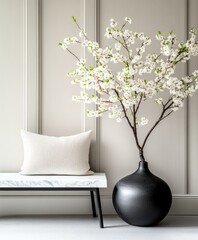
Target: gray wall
{"type": "Point", "coordinates": [36, 95]}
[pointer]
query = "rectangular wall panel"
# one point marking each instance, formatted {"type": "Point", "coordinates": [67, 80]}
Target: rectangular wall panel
{"type": "Point", "coordinates": [193, 113]}
{"type": "Point", "coordinates": [56, 114]}
{"type": "Point", "coordinates": [60, 115]}
{"type": "Point", "coordinates": [11, 80]}
{"type": "Point", "coordinates": [165, 150]}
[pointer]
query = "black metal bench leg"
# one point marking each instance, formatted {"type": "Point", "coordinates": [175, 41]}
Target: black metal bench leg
{"type": "Point", "coordinates": [99, 208]}
{"type": "Point", "coordinates": [93, 204]}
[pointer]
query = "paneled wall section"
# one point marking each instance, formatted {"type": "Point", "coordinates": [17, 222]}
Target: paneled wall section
{"type": "Point", "coordinates": [44, 93]}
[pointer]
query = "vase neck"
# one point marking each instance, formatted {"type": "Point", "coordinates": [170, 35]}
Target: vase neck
{"type": "Point", "coordinates": [143, 167]}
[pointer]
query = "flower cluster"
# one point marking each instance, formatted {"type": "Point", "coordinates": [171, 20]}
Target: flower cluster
{"type": "Point", "coordinates": [121, 94]}
{"type": "Point", "coordinates": [131, 84]}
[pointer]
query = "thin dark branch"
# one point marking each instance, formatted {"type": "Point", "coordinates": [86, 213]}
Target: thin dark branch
{"type": "Point", "coordinates": [154, 126]}
{"type": "Point", "coordinates": [126, 47]}
{"type": "Point", "coordinates": [167, 102]}
{"type": "Point", "coordinates": [73, 54]}
{"type": "Point", "coordinates": [167, 107]}
{"type": "Point", "coordinates": [158, 56]}
{"type": "Point", "coordinates": [131, 111]}
{"type": "Point", "coordinates": [122, 45]}
{"type": "Point", "coordinates": [124, 110]}
{"type": "Point", "coordinates": [136, 110]}
{"type": "Point", "coordinates": [123, 25]}
{"type": "Point", "coordinates": [161, 117]}
{"type": "Point", "coordinates": [134, 119]}
{"type": "Point", "coordinates": [128, 120]}
{"type": "Point", "coordinates": [119, 42]}
{"type": "Point", "coordinates": [167, 115]}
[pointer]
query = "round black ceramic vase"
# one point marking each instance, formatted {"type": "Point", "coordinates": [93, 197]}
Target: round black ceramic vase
{"type": "Point", "coordinates": [142, 199]}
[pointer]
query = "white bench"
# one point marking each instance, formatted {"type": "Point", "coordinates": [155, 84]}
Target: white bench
{"type": "Point", "coordinates": [92, 183]}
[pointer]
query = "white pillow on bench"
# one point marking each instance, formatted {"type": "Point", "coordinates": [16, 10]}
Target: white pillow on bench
{"type": "Point", "coordinates": [56, 155]}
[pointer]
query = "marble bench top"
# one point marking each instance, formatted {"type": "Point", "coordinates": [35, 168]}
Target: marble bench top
{"type": "Point", "coordinates": [16, 180]}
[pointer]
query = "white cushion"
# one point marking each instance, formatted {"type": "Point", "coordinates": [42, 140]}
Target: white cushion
{"type": "Point", "coordinates": [56, 155]}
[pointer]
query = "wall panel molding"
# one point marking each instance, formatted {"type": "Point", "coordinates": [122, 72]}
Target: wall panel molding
{"type": "Point", "coordinates": [90, 23]}
{"type": "Point", "coordinates": [188, 6]}
{"type": "Point", "coordinates": [33, 69]}
{"type": "Point", "coordinates": [182, 204]}
{"type": "Point", "coordinates": [60, 204]}
{"type": "Point", "coordinates": [193, 112]}
{"type": "Point", "coordinates": [186, 111]}
{"type": "Point", "coordinates": [32, 65]}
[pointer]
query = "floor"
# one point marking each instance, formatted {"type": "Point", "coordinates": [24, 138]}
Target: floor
{"type": "Point", "coordinates": [81, 228]}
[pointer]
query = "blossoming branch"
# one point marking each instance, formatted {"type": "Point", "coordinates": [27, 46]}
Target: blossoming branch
{"type": "Point", "coordinates": [122, 94]}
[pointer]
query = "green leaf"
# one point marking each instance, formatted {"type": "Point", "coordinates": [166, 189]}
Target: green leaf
{"type": "Point", "coordinates": [60, 44]}
{"type": "Point", "coordinates": [74, 19]}
{"type": "Point", "coordinates": [183, 49]}
{"type": "Point", "coordinates": [91, 68]}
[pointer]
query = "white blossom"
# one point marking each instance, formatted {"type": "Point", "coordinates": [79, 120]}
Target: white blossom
{"type": "Point", "coordinates": [64, 46]}
{"type": "Point", "coordinates": [82, 34]}
{"type": "Point", "coordinates": [159, 36]}
{"type": "Point", "coordinates": [159, 100]}
{"type": "Point", "coordinates": [118, 46]}
{"type": "Point", "coordinates": [143, 121]}
{"type": "Point", "coordinates": [113, 23]}
{"type": "Point", "coordinates": [127, 19]}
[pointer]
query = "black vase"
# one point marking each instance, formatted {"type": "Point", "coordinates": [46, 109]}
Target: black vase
{"type": "Point", "coordinates": [142, 199]}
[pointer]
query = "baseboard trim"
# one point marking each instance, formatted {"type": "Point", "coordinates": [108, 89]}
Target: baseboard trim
{"type": "Point", "coordinates": [79, 204]}
{"type": "Point", "coordinates": [184, 205]}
